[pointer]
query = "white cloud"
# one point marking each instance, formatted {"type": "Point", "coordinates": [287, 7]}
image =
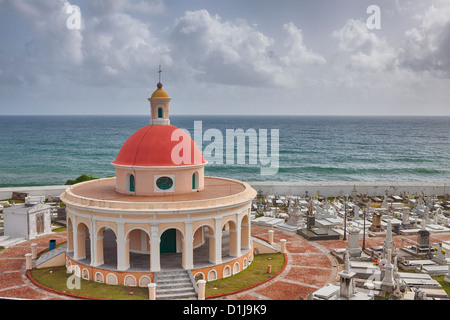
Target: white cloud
{"type": "Point", "coordinates": [52, 44]}
{"type": "Point", "coordinates": [427, 46]}
{"type": "Point", "coordinates": [111, 49]}
{"type": "Point", "coordinates": [119, 49]}
{"type": "Point", "coordinates": [404, 75]}
{"type": "Point", "coordinates": [366, 50]}
{"type": "Point", "coordinates": [122, 42]}
{"type": "Point", "coordinates": [222, 51]}
{"type": "Point", "coordinates": [296, 52]}
{"type": "Point", "coordinates": [237, 53]}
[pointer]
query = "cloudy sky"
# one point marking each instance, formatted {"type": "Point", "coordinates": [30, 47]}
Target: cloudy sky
{"type": "Point", "coordinates": [311, 57]}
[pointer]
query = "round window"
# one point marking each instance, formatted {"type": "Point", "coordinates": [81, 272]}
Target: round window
{"type": "Point", "coordinates": [164, 183]}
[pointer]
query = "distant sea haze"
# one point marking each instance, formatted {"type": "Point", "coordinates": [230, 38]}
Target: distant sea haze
{"type": "Point", "coordinates": [48, 150]}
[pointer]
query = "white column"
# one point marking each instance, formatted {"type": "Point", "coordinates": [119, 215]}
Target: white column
{"type": "Point", "coordinates": [218, 241]}
{"type": "Point", "coordinates": [188, 253]}
{"type": "Point", "coordinates": [155, 265]}
{"type": "Point", "coordinates": [34, 250]}
{"type": "Point", "coordinates": [152, 291]}
{"type": "Point", "coordinates": [238, 235]}
{"type": "Point", "coordinates": [98, 243]}
{"type": "Point", "coordinates": [271, 232]}
{"type": "Point", "coordinates": [283, 245]}
{"type": "Point", "coordinates": [28, 261]}
{"type": "Point", "coordinates": [70, 237]}
{"type": "Point", "coordinates": [81, 247]}
{"type": "Point", "coordinates": [201, 289]}
{"type": "Point", "coordinates": [74, 237]}
{"type": "Point", "coordinates": [92, 241]}
{"type": "Point", "coordinates": [122, 263]}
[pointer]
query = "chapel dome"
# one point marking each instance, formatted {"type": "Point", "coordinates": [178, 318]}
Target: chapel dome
{"type": "Point", "coordinates": [159, 93]}
{"type": "Point", "coordinates": [152, 146]}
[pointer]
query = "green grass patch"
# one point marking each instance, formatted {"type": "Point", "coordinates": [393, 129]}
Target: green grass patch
{"type": "Point", "coordinates": [445, 285]}
{"type": "Point", "coordinates": [254, 274]}
{"type": "Point", "coordinates": [56, 278]}
{"type": "Point", "coordinates": [386, 297]}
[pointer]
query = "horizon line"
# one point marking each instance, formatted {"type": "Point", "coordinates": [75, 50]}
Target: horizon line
{"type": "Point", "coordinates": [233, 115]}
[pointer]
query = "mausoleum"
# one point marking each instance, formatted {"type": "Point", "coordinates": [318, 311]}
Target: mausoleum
{"type": "Point", "coordinates": [159, 213]}
{"type": "Point", "coordinates": [28, 220]}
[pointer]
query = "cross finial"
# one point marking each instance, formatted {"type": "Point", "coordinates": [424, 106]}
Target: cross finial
{"type": "Point", "coordinates": [160, 71]}
{"type": "Point", "coordinates": [159, 85]}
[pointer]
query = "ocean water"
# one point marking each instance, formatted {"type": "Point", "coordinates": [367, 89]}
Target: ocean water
{"type": "Point", "coordinates": [48, 150]}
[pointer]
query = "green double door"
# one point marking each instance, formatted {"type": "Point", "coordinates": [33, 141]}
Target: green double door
{"type": "Point", "coordinates": [168, 242]}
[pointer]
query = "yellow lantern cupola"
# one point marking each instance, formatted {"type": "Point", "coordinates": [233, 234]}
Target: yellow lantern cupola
{"type": "Point", "coordinates": [159, 104]}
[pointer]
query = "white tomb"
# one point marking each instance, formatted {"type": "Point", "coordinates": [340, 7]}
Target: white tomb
{"type": "Point", "coordinates": [27, 220]}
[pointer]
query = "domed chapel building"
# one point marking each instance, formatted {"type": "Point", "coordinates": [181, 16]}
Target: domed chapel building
{"type": "Point", "coordinates": [159, 213]}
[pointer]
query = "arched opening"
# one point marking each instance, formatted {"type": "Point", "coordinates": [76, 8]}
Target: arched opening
{"type": "Point", "coordinates": [230, 239]}
{"type": "Point", "coordinates": [168, 242]}
{"type": "Point", "coordinates": [205, 250]}
{"type": "Point", "coordinates": [139, 249]}
{"type": "Point", "coordinates": [83, 240]}
{"type": "Point", "coordinates": [245, 233]}
{"type": "Point", "coordinates": [160, 113]}
{"type": "Point", "coordinates": [170, 248]}
{"type": "Point", "coordinates": [106, 248]}
{"type": "Point", "coordinates": [132, 183]}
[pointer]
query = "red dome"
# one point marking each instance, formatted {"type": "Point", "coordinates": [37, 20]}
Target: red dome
{"type": "Point", "coordinates": [152, 146]}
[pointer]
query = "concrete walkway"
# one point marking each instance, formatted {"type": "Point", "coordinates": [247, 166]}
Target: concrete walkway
{"type": "Point", "coordinates": [13, 280]}
{"type": "Point", "coordinates": [310, 266]}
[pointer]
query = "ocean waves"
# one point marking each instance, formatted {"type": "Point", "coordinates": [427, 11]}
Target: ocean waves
{"type": "Point", "coordinates": [49, 150]}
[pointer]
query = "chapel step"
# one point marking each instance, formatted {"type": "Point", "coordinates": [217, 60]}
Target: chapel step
{"type": "Point", "coordinates": [174, 285]}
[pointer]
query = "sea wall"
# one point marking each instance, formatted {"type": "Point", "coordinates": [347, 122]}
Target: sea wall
{"type": "Point", "coordinates": [337, 188]}
{"type": "Point", "coordinates": [47, 191]}
{"type": "Point", "coordinates": [324, 188]}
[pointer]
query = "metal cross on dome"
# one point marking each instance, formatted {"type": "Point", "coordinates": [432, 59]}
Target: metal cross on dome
{"type": "Point", "coordinates": [160, 71]}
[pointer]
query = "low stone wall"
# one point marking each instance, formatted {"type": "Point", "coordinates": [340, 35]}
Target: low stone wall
{"type": "Point", "coordinates": [112, 277]}
{"type": "Point", "coordinates": [141, 279]}
{"type": "Point", "coordinates": [47, 191]}
{"type": "Point", "coordinates": [337, 188]}
{"type": "Point", "coordinates": [324, 188]}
